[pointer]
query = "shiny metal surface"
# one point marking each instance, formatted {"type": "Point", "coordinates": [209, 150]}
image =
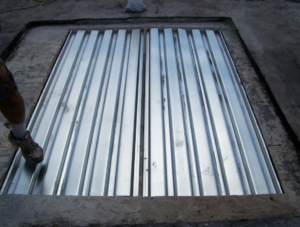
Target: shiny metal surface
{"type": "Point", "coordinates": [175, 90]}
{"type": "Point", "coordinates": [86, 120]}
{"type": "Point", "coordinates": [201, 137]}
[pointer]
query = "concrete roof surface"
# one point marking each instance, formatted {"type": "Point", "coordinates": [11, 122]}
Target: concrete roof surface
{"type": "Point", "coordinates": [270, 32]}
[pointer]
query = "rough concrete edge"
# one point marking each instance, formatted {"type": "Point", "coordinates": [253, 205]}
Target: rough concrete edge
{"type": "Point", "coordinates": [7, 51]}
{"type": "Point", "coordinates": [31, 24]}
{"type": "Point", "coordinates": [291, 133]}
{"type": "Point", "coordinates": [20, 210]}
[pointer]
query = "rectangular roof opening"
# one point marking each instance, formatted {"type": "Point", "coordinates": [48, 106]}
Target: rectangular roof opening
{"type": "Point", "coordinates": [170, 97]}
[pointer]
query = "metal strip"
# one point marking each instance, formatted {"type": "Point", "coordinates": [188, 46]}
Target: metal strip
{"type": "Point", "coordinates": [115, 153]}
{"type": "Point", "coordinates": [169, 156]}
{"type": "Point", "coordinates": [179, 145]}
{"type": "Point", "coordinates": [100, 176]}
{"type": "Point", "coordinates": [211, 147]}
{"type": "Point", "coordinates": [138, 123]}
{"type": "Point", "coordinates": [98, 113]}
{"type": "Point", "coordinates": [126, 146]}
{"type": "Point", "coordinates": [69, 170]}
{"type": "Point", "coordinates": [146, 178]}
{"type": "Point", "coordinates": [157, 144]}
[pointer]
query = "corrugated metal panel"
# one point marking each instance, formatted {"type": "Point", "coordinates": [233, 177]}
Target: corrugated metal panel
{"type": "Point", "coordinates": [87, 120]}
{"type": "Point", "coordinates": [200, 135]}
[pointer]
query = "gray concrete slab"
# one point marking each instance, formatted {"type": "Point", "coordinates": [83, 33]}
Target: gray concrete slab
{"type": "Point", "coordinates": [90, 211]}
{"type": "Point", "coordinates": [270, 31]}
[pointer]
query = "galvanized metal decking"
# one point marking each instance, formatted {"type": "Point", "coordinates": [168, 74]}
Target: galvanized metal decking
{"type": "Point", "coordinates": [200, 135]}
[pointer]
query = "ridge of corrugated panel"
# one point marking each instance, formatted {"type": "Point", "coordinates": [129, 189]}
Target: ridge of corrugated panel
{"type": "Point", "coordinates": [200, 136]}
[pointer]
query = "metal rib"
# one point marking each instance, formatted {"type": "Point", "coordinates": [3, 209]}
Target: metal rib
{"type": "Point", "coordinates": [127, 136]}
